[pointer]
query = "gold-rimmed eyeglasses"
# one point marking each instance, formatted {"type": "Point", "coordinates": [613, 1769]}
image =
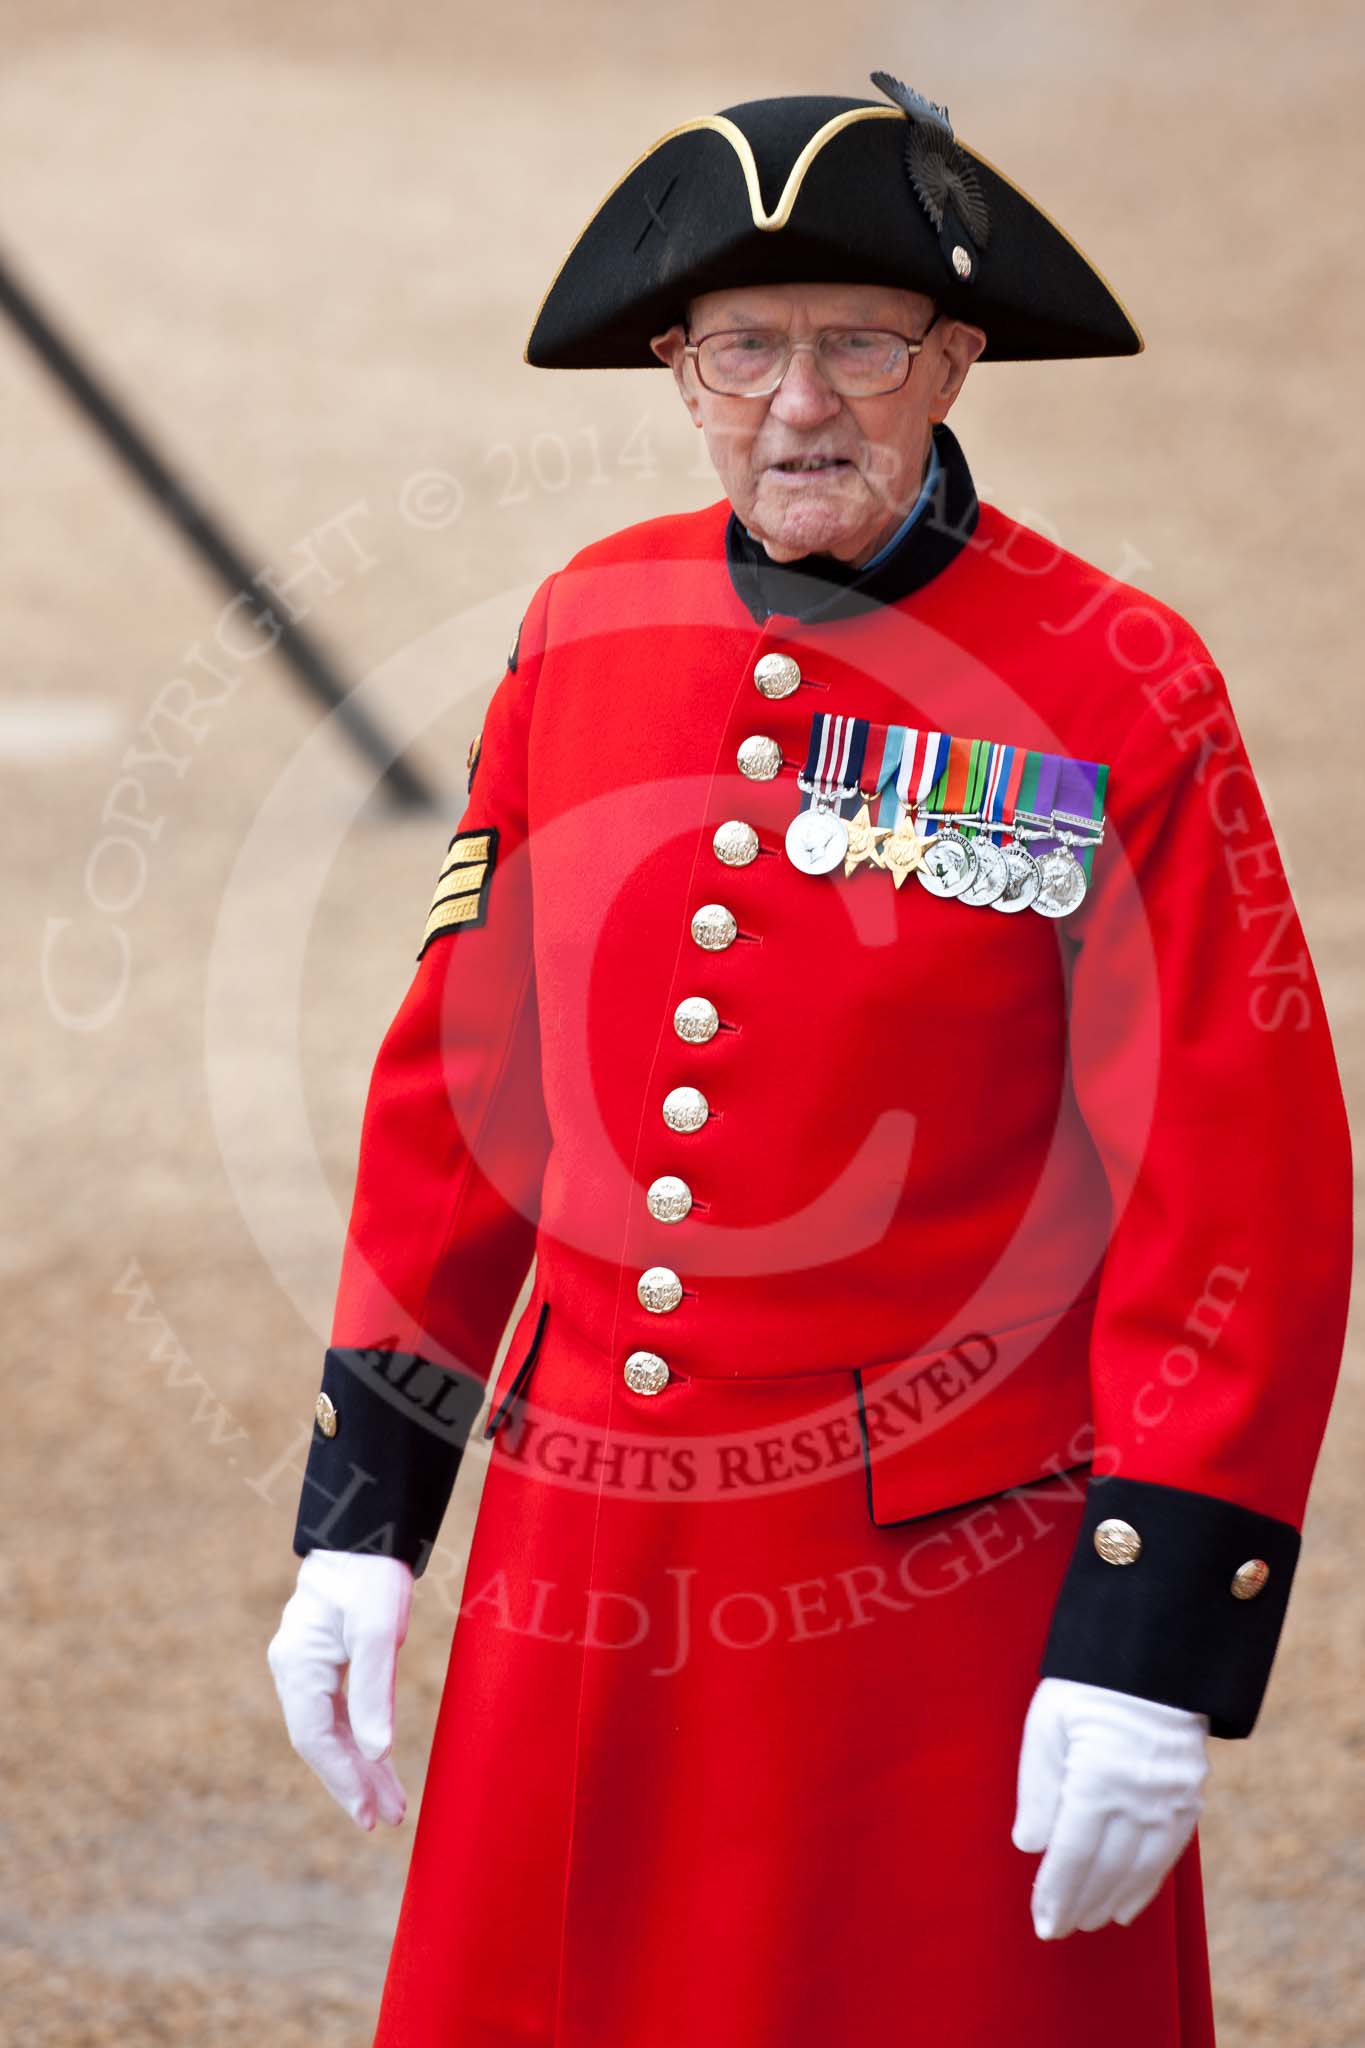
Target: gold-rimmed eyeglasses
{"type": "Point", "coordinates": [856, 362]}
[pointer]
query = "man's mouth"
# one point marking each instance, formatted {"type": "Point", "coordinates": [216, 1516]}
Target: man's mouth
{"type": "Point", "coordinates": [796, 464]}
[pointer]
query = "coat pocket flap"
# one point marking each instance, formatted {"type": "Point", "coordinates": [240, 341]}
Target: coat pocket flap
{"type": "Point", "coordinates": [517, 1365]}
{"type": "Point", "coordinates": [993, 1410]}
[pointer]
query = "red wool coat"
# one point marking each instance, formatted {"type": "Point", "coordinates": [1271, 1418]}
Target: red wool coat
{"type": "Point", "coordinates": [917, 1243]}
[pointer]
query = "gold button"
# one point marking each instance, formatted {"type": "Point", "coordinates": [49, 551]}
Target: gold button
{"type": "Point", "coordinates": [1249, 1578]}
{"type": "Point", "coordinates": [759, 757]}
{"type": "Point", "coordinates": [736, 843]}
{"type": "Point", "coordinates": [1117, 1542]}
{"type": "Point", "coordinates": [325, 1414]}
{"type": "Point", "coordinates": [777, 675]}
{"type": "Point", "coordinates": [714, 927]}
{"type": "Point", "coordinates": [696, 1019]}
{"type": "Point", "coordinates": [668, 1199]}
{"type": "Point", "coordinates": [659, 1289]}
{"type": "Point", "coordinates": [685, 1109]}
{"type": "Point", "coordinates": [646, 1372]}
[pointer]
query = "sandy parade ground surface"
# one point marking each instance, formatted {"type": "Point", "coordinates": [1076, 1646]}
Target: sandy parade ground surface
{"type": "Point", "coordinates": [307, 242]}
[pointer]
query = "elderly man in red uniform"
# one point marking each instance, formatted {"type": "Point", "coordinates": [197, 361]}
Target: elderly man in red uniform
{"type": "Point", "coordinates": [864, 979]}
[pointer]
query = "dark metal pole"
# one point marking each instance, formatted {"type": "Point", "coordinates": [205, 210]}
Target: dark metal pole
{"type": "Point", "coordinates": [206, 536]}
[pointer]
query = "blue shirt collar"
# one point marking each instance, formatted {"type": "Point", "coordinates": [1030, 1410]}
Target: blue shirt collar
{"type": "Point", "coordinates": [931, 476]}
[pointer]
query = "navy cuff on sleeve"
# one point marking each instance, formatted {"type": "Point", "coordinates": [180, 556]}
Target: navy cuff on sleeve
{"type": "Point", "coordinates": [382, 1480]}
{"type": "Point", "coordinates": [1190, 1610]}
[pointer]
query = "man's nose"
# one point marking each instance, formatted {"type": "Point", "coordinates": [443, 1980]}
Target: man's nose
{"type": "Point", "coordinates": [803, 397]}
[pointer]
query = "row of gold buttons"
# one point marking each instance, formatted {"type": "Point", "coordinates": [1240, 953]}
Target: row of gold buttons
{"type": "Point", "coordinates": [714, 927]}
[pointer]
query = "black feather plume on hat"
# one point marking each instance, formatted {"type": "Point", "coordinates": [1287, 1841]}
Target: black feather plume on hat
{"type": "Point", "coordinates": [942, 179]}
{"type": "Point", "coordinates": [914, 103]}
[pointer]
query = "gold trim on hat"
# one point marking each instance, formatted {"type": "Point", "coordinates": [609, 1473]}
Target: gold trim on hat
{"type": "Point", "coordinates": [748, 163]}
{"type": "Point", "coordinates": [1059, 230]}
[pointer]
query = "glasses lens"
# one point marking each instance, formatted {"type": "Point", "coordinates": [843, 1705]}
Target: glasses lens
{"type": "Point", "coordinates": [748, 359]}
{"type": "Point", "coordinates": [857, 362]}
{"type": "Point", "coordinates": [860, 361]}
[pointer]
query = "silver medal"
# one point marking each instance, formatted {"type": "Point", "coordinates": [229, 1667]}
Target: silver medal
{"type": "Point", "coordinates": [949, 864]}
{"type": "Point", "coordinates": [816, 841]}
{"type": "Point", "coordinates": [1062, 883]}
{"type": "Point", "coordinates": [992, 874]}
{"type": "Point", "coordinates": [1025, 879]}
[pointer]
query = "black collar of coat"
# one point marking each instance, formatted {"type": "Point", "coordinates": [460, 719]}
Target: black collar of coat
{"type": "Point", "coordinates": [815, 588]}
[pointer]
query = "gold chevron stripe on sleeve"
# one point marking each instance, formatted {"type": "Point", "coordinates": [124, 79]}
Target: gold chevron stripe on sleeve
{"type": "Point", "coordinates": [467, 846]}
{"type": "Point", "coordinates": [454, 910]}
{"type": "Point", "coordinates": [457, 877]}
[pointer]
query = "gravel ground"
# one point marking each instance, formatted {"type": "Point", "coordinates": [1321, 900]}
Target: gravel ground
{"type": "Point", "coordinates": [309, 241]}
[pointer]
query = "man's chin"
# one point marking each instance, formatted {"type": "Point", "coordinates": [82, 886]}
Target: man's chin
{"type": "Point", "coordinates": [787, 532]}
{"type": "Point", "coordinates": [793, 549]}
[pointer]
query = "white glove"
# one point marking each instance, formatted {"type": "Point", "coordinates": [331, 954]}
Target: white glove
{"type": "Point", "coordinates": [1111, 1786]}
{"type": "Point", "coordinates": [347, 1608]}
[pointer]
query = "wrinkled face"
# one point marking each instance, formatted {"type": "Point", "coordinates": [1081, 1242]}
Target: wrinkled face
{"type": "Point", "coordinates": [808, 471]}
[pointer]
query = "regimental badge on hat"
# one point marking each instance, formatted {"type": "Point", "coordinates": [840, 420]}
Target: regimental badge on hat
{"type": "Point", "coordinates": [461, 896]}
{"type": "Point", "coordinates": [942, 178]}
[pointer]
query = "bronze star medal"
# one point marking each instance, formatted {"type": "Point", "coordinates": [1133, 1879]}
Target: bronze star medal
{"type": "Point", "coordinates": [863, 836]}
{"type": "Point", "coordinates": [902, 850]}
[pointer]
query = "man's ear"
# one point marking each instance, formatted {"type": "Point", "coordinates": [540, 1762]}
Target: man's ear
{"type": "Point", "coordinates": [962, 345]}
{"type": "Point", "coordinates": [973, 340]}
{"type": "Point", "coordinates": [668, 347]}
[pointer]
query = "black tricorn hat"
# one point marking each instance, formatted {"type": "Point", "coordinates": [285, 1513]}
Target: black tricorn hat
{"type": "Point", "coordinates": [831, 191]}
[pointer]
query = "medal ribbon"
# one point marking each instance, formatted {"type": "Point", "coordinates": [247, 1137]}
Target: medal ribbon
{"type": "Point", "coordinates": [910, 780]}
{"type": "Point", "coordinates": [933, 778]}
{"type": "Point", "coordinates": [1043, 799]}
{"type": "Point", "coordinates": [889, 740]}
{"type": "Point", "coordinates": [837, 745]}
{"type": "Point", "coordinates": [978, 766]}
{"type": "Point", "coordinates": [820, 724]}
{"type": "Point", "coordinates": [997, 790]}
{"type": "Point", "coordinates": [1087, 853]}
{"type": "Point", "coordinates": [924, 772]}
{"type": "Point", "coordinates": [1022, 757]}
{"type": "Point", "coordinates": [949, 786]}
{"type": "Point", "coordinates": [1027, 792]}
{"type": "Point", "coordinates": [1080, 790]}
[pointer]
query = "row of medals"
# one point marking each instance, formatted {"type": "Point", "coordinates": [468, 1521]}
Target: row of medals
{"type": "Point", "coordinates": [947, 862]}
